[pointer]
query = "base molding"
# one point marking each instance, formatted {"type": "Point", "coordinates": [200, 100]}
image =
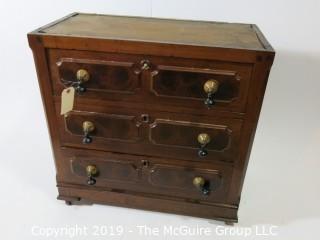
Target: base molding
{"type": "Point", "coordinates": [223, 212]}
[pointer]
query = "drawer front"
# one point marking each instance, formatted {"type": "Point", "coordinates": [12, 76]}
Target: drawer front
{"type": "Point", "coordinates": [166, 177]}
{"type": "Point", "coordinates": [155, 134]}
{"type": "Point", "coordinates": [174, 133]}
{"type": "Point", "coordinates": [103, 76]}
{"type": "Point", "coordinates": [107, 76]}
{"type": "Point", "coordinates": [182, 83]}
{"type": "Point", "coordinates": [106, 126]}
{"type": "Point", "coordinates": [198, 85]}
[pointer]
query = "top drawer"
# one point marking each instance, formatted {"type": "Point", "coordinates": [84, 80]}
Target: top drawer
{"type": "Point", "coordinates": [198, 85]}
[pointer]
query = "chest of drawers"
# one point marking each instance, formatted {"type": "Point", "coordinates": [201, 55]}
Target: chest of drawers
{"type": "Point", "coordinates": [164, 111]}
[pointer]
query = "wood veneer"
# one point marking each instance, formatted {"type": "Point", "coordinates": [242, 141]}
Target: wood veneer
{"type": "Point", "coordinates": [145, 97]}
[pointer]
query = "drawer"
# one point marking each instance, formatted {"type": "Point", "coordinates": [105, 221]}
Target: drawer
{"type": "Point", "coordinates": [103, 75]}
{"type": "Point", "coordinates": [159, 82]}
{"type": "Point", "coordinates": [207, 85]}
{"type": "Point", "coordinates": [160, 134]}
{"type": "Point", "coordinates": [167, 177]}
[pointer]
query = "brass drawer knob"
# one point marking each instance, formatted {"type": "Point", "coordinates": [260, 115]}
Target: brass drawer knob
{"type": "Point", "coordinates": [201, 184]}
{"type": "Point", "coordinates": [210, 87]}
{"type": "Point", "coordinates": [82, 76]}
{"type": "Point", "coordinates": [204, 140]}
{"type": "Point", "coordinates": [92, 171]}
{"type": "Point", "coordinates": [87, 127]}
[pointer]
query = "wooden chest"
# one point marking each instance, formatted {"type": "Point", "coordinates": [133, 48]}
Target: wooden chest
{"type": "Point", "coordinates": [164, 111]}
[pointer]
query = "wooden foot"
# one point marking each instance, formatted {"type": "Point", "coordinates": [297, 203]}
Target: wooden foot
{"type": "Point", "coordinates": [69, 200]}
{"type": "Point", "coordinates": [229, 223]}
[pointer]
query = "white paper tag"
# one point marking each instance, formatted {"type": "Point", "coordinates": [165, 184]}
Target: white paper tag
{"type": "Point", "coordinates": [67, 100]}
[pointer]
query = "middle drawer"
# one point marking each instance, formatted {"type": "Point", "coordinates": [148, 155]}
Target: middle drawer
{"type": "Point", "coordinates": [160, 134]}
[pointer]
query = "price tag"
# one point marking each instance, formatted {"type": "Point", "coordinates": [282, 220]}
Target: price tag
{"type": "Point", "coordinates": [67, 100]}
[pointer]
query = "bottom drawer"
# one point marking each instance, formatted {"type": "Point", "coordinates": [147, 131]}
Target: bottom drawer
{"type": "Point", "coordinates": [148, 175]}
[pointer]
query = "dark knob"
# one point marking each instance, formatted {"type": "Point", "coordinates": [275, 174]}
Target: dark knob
{"type": "Point", "coordinates": [202, 152]}
{"type": "Point", "coordinates": [88, 127]}
{"type": "Point", "coordinates": [79, 88]}
{"type": "Point", "coordinates": [91, 171]}
{"type": "Point", "coordinates": [91, 181]}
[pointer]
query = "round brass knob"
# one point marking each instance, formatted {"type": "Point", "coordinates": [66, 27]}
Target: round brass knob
{"type": "Point", "coordinates": [87, 126]}
{"type": "Point", "coordinates": [91, 170]}
{"type": "Point", "coordinates": [199, 182]}
{"type": "Point", "coordinates": [82, 75]}
{"type": "Point", "coordinates": [203, 138]}
{"type": "Point", "coordinates": [211, 86]}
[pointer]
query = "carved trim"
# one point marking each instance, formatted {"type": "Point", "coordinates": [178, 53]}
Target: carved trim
{"type": "Point", "coordinates": [135, 70]}
{"type": "Point", "coordinates": [196, 171]}
{"type": "Point", "coordinates": [124, 163]}
{"type": "Point", "coordinates": [105, 115]}
{"type": "Point", "coordinates": [191, 124]}
{"type": "Point", "coordinates": [154, 73]}
{"type": "Point", "coordinates": [196, 70]}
